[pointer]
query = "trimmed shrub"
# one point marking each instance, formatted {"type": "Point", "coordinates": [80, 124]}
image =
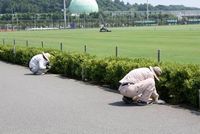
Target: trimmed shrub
{"type": "Point", "coordinates": [179, 83]}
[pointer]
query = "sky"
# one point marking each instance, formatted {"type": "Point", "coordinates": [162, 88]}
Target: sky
{"type": "Point", "coordinates": [188, 3]}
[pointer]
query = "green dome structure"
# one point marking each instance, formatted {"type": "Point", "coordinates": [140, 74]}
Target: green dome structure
{"type": "Point", "coordinates": [83, 6]}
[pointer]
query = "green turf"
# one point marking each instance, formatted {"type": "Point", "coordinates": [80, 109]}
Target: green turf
{"type": "Point", "coordinates": [176, 43]}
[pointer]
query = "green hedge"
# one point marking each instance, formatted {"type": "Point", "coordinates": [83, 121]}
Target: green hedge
{"type": "Point", "coordinates": [179, 83]}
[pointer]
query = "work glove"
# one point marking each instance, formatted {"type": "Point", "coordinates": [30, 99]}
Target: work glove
{"type": "Point", "coordinates": [48, 66]}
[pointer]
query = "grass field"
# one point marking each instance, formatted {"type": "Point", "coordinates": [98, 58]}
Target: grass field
{"type": "Point", "coordinates": [176, 43]}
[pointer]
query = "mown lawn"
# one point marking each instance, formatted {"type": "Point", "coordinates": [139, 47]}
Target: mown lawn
{"type": "Point", "coordinates": [176, 43]}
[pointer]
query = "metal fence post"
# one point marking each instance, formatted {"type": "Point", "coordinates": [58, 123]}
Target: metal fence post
{"type": "Point", "coordinates": [158, 55]}
{"type": "Point", "coordinates": [14, 48]}
{"type": "Point", "coordinates": [42, 44]}
{"type": "Point", "coordinates": [27, 43]}
{"type": "Point", "coordinates": [116, 51]}
{"type": "Point", "coordinates": [14, 42]}
{"type": "Point", "coordinates": [85, 49]}
{"type": "Point", "coordinates": [61, 46]}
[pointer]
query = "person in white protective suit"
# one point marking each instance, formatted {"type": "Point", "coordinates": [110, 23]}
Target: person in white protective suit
{"type": "Point", "coordinates": [39, 64]}
{"type": "Point", "coordinates": [139, 86]}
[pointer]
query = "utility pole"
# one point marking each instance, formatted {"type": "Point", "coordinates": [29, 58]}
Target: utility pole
{"type": "Point", "coordinates": [65, 23]}
{"type": "Point", "coordinates": [147, 10]}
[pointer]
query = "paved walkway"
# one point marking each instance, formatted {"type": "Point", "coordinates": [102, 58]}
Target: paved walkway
{"type": "Point", "coordinates": [50, 104]}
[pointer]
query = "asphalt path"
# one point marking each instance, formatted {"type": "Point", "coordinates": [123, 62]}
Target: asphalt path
{"type": "Point", "coordinates": [50, 104]}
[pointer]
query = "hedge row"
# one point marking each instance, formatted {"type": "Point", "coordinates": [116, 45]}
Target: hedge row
{"type": "Point", "coordinates": [179, 83]}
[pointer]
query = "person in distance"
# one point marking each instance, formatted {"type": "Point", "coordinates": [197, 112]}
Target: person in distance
{"type": "Point", "coordinates": [40, 63]}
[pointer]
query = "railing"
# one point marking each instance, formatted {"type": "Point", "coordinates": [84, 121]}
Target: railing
{"type": "Point", "coordinates": [60, 46]}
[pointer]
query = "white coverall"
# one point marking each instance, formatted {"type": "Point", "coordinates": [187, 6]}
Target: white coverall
{"type": "Point", "coordinates": [38, 64]}
{"type": "Point", "coordinates": [141, 83]}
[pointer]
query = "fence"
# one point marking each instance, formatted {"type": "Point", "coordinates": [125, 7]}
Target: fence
{"type": "Point", "coordinates": [60, 46]}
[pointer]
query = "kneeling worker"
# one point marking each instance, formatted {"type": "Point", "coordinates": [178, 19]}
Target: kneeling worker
{"type": "Point", "coordinates": [140, 84]}
{"type": "Point", "coordinates": [39, 64]}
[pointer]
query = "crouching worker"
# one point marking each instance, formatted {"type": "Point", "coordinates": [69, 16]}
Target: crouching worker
{"type": "Point", "coordinates": [39, 64]}
{"type": "Point", "coordinates": [139, 86]}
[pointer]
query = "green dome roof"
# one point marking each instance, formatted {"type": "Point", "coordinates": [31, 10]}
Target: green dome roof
{"type": "Point", "coordinates": [83, 6]}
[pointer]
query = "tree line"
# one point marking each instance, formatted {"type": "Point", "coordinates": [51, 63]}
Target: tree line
{"type": "Point", "coordinates": [52, 6]}
{"type": "Point", "coordinates": [22, 14]}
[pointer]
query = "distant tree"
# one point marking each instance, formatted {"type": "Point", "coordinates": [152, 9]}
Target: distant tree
{"type": "Point", "coordinates": [46, 6]}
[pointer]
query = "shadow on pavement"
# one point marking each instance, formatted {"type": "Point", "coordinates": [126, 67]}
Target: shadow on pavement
{"type": "Point", "coordinates": [122, 104]}
{"type": "Point", "coordinates": [185, 107]}
{"type": "Point", "coordinates": [29, 74]}
{"type": "Point", "coordinates": [62, 77]}
{"type": "Point", "coordinates": [196, 112]}
{"type": "Point", "coordinates": [103, 87]}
